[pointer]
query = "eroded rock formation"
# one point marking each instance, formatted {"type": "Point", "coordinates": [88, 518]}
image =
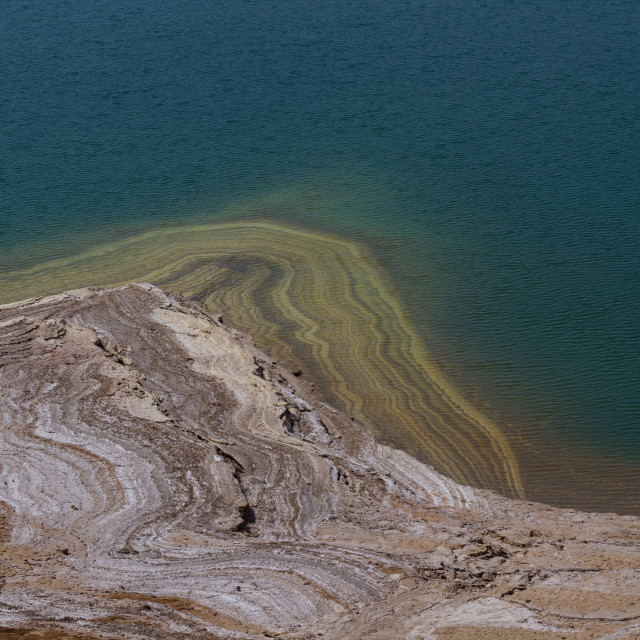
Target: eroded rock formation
{"type": "Point", "coordinates": [162, 478]}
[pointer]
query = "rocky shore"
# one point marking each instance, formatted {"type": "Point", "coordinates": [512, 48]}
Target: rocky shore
{"type": "Point", "coordinates": [160, 477]}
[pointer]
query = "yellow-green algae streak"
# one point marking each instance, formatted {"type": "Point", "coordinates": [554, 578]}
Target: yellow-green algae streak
{"type": "Point", "coordinates": [311, 299]}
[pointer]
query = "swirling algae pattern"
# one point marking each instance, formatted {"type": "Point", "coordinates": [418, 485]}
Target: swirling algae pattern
{"type": "Point", "coordinates": [312, 299]}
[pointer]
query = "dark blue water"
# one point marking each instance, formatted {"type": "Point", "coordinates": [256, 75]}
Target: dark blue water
{"type": "Point", "coordinates": [488, 152]}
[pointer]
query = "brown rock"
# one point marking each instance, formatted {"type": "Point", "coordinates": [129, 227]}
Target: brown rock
{"type": "Point", "coordinates": [206, 519]}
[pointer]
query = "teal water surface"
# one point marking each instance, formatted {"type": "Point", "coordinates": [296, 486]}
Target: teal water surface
{"type": "Point", "coordinates": [488, 153]}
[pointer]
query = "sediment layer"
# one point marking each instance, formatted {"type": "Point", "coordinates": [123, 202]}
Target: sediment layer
{"type": "Point", "coordinates": [161, 477]}
{"type": "Point", "coordinates": [312, 299]}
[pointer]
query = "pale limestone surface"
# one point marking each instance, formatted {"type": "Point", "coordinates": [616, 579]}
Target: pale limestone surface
{"type": "Point", "coordinates": [162, 478]}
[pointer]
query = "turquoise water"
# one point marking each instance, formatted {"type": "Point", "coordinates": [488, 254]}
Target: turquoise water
{"type": "Point", "coordinates": [489, 153]}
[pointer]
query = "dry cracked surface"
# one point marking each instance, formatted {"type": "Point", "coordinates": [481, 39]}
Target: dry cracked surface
{"type": "Point", "coordinates": [162, 478]}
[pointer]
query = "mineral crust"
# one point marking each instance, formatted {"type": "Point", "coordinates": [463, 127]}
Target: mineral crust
{"type": "Point", "coordinates": [160, 477]}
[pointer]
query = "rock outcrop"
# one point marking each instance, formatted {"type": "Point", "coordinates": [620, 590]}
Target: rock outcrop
{"type": "Point", "coordinates": [160, 477]}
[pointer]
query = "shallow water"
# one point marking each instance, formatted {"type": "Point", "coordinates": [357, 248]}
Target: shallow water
{"type": "Point", "coordinates": [486, 157]}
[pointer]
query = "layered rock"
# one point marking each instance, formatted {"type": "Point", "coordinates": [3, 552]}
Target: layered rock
{"type": "Point", "coordinates": [162, 478]}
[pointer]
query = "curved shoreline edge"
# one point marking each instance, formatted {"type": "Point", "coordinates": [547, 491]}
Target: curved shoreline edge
{"type": "Point", "coordinates": [303, 292]}
{"type": "Point", "coordinates": [162, 477]}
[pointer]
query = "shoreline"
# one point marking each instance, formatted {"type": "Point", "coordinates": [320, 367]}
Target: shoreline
{"type": "Point", "coordinates": [339, 321]}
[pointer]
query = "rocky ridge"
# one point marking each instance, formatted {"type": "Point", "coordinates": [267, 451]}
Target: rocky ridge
{"type": "Point", "coordinates": [160, 477]}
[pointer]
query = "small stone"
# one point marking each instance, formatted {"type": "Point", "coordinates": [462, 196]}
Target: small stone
{"type": "Point", "coordinates": [53, 330]}
{"type": "Point", "coordinates": [294, 412]}
{"type": "Point", "coordinates": [476, 550]}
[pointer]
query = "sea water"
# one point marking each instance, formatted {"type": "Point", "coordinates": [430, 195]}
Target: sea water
{"type": "Point", "coordinates": [487, 154]}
